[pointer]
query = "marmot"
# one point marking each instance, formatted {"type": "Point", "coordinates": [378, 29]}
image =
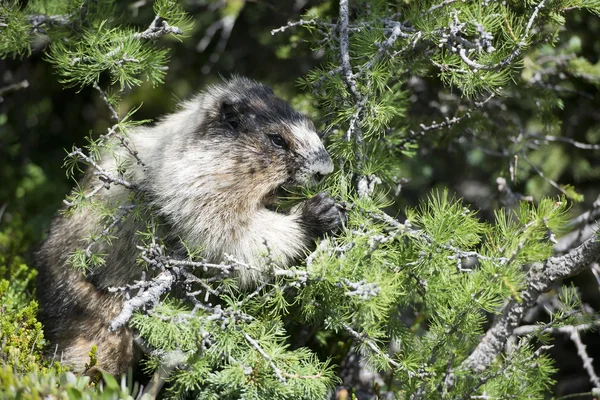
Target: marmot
{"type": "Point", "coordinates": [211, 171]}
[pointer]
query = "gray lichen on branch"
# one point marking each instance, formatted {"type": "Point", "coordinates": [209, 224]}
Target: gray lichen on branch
{"type": "Point", "coordinates": [540, 279]}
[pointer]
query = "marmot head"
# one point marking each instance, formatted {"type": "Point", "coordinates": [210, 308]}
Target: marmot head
{"type": "Point", "coordinates": [266, 142]}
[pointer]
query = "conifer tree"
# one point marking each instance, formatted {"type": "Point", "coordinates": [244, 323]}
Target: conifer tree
{"type": "Point", "coordinates": [432, 297]}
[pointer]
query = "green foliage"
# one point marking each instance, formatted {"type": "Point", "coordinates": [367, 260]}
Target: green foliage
{"type": "Point", "coordinates": [21, 334]}
{"type": "Point", "coordinates": [15, 31]}
{"type": "Point", "coordinates": [222, 357]}
{"type": "Point", "coordinates": [67, 386]}
{"type": "Point", "coordinates": [113, 51]}
{"type": "Point", "coordinates": [87, 40]}
{"type": "Point", "coordinates": [413, 298]}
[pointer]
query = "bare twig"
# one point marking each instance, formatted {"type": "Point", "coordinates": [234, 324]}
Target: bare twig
{"type": "Point", "coordinates": [37, 21]}
{"type": "Point", "coordinates": [526, 329]}
{"type": "Point", "coordinates": [579, 145]}
{"type": "Point", "coordinates": [226, 24]}
{"type": "Point", "coordinates": [24, 84]}
{"type": "Point", "coordinates": [587, 360]}
{"type": "Point", "coordinates": [293, 24]}
{"type": "Point", "coordinates": [113, 112]}
{"type": "Point", "coordinates": [542, 175]}
{"type": "Point", "coordinates": [116, 221]}
{"type": "Point", "coordinates": [438, 6]}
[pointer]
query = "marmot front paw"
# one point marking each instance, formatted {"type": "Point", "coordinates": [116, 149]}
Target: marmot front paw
{"type": "Point", "coordinates": [321, 215]}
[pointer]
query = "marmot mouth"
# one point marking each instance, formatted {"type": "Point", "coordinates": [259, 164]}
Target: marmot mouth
{"type": "Point", "coordinates": [283, 197]}
{"type": "Point", "coordinates": [275, 194]}
{"type": "Point", "coordinates": [270, 198]}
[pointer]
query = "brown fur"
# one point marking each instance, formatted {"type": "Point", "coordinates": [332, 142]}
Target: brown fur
{"type": "Point", "coordinates": [210, 170]}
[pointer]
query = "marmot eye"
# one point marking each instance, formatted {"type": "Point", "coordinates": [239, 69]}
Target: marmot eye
{"type": "Point", "coordinates": [278, 141]}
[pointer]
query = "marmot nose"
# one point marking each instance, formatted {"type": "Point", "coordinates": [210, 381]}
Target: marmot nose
{"type": "Point", "coordinates": [324, 165]}
{"type": "Point", "coordinates": [319, 164]}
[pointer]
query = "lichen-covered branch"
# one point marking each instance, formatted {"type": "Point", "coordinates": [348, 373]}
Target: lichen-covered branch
{"type": "Point", "coordinates": [160, 285]}
{"type": "Point", "coordinates": [540, 278]}
{"type": "Point", "coordinates": [159, 27]}
{"type": "Point", "coordinates": [101, 173]}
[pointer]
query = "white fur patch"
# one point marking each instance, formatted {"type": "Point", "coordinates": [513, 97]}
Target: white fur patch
{"type": "Point", "coordinates": [308, 141]}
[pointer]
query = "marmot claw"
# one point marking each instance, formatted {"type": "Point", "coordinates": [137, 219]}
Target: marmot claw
{"type": "Point", "coordinates": [322, 215]}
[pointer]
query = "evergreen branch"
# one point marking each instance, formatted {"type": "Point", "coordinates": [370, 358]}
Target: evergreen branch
{"type": "Point", "coordinates": [150, 291]}
{"type": "Point", "coordinates": [363, 289]}
{"type": "Point", "coordinates": [116, 221]}
{"type": "Point", "coordinates": [395, 30]}
{"type": "Point", "coordinates": [533, 17]}
{"type": "Point", "coordinates": [476, 66]}
{"type": "Point", "coordinates": [172, 271]}
{"type": "Point", "coordinates": [508, 363]}
{"type": "Point", "coordinates": [191, 278]}
{"type": "Point", "coordinates": [218, 313]}
{"type": "Point", "coordinates": [112, 130]}
{"type": "Point", "coordinates": [132, 152]}
{"type": "Point", "coordinates": [267, 358]}
{"type": "Point", "coordinates": [38, 20]}
{"type": "Point", "coordinates": [364, 339]}
{"type": "Point", "coordinates": [349, 78]}
{"type": "Point", "coordinates": [360, 105]}
{"type": "Point", "coordinates": [297, 376]}
{"type": "Point", "coordinates": [448, 332]}
{"type": "Point", "coordinates": [540, 278]}
{"type": "Point", "coordinates": [159, 286]}
{"type": "Point", "coordinates": [225, 269]}
{"type": "Point", "coordinates": [449, 122]}
{"type": "Point", "coordinates": [434, 126]}
{"type": "Point", "coordinates": [462, 51]}
{"type": "Point", "coordinates": [325, 246]}
{"type": "Point", "coordinates": [458, 253]}
{"type": "Point", "coordinates": [103, 175]}
{"type": "Point", "coordinates": [159, 27]}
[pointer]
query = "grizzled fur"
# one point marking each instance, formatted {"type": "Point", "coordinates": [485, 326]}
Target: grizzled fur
{"type": "Point", "coordinates": [210, 171]}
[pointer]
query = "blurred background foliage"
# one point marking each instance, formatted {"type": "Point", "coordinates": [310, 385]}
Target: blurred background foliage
{"type": "Point", "coordinates": [40, 118]}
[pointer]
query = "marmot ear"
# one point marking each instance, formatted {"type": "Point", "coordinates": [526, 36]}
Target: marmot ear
{"type": "Point", "coordinates": [231, 114]}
